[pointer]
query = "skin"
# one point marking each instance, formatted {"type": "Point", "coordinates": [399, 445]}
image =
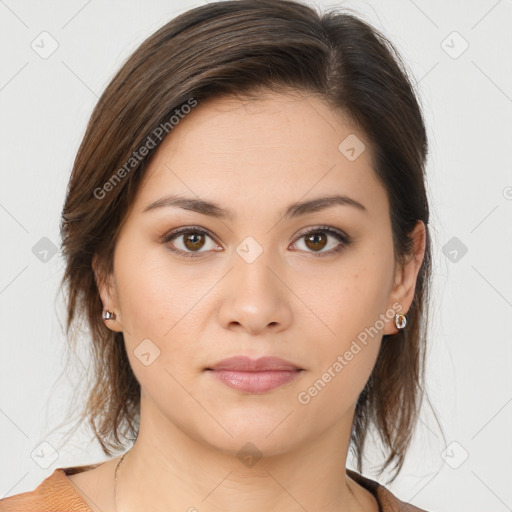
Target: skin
{"type": "Point", "coordinates": [255, 158]}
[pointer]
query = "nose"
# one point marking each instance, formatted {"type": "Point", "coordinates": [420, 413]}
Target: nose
{"type": "Point", "coordinates": [255, 296]}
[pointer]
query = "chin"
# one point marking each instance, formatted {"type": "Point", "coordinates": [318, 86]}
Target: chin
{"type": "Point", "coordinates": [267, 438]}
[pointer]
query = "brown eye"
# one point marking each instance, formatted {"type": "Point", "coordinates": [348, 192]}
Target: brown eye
{"type": "Point", "coordinates": [190, 242]}
{"type": "Point", "coordinates": [193, 241]}
{"type": "Point", "coordinates": [316, 241]}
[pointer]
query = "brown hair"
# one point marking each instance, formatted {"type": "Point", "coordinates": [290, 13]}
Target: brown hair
{"type": "Point", "coordinates": [234, 48]}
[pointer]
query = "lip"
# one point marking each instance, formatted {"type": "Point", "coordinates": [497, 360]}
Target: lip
{"type": "Point", "coordinates": [247, 364]}
{"type": "Point", "coordinates": [254, 376]}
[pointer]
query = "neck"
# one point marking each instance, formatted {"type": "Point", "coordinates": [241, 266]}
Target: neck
{"type": "Point", "coordinates": [168, 470]}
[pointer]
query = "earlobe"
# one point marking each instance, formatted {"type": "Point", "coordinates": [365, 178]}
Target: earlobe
{"type": "Point", "coordinates": [406, 277]}
{"type": "Point", "coordinates": [106, 291]}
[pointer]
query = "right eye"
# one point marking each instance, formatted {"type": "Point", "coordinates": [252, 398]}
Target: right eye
{"type": "Point", "coordinates": [190, 241]}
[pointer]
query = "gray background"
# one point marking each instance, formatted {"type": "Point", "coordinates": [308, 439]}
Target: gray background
{"type": "Point", "coordinates": [45, 101]}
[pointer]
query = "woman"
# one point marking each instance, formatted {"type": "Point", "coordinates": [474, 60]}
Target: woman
{"type": "Point", "coordinates": [246, 233]}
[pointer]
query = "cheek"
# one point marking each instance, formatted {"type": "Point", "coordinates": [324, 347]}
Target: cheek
{"type": "Point", "coordinates": [161, 305]}
{"type": "Point", "coordinates": [344, 358]}
{"type": "Point", "coordinates": [338, 387]}
{"type": "Point", "coordinates": [349, 297]}
{"type": "Point", "coordinates": [146, 299]}
{"type": "Point", "coordinates": [152, 295]}
{"type": "Point", "coordinates": [349, 305]}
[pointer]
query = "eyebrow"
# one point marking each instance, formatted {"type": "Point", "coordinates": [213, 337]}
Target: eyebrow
{"type": "Point", "coordinates": [212, 209]}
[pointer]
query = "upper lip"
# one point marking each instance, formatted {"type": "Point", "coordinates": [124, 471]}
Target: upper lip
{"type": "Point", "coordinates": [247, 364]}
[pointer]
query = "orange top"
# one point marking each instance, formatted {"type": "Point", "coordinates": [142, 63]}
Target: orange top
{"type": "Point", "coordinates": [57, 494]}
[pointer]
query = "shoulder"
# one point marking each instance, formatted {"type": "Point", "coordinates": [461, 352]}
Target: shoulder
{"type": "Point", "coordinates": [387, 501]}
{"type": "Point", "coordinates": [55, 492]}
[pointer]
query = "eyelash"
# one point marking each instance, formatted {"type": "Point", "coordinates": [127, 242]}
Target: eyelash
{"type": "Point", "coordinates": [344, 240]}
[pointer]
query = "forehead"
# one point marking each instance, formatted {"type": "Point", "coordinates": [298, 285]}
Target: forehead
{"type": "Point", "coordinates": [279, 148]}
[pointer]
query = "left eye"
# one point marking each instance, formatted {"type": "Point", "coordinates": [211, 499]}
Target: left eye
{"type": "Point", "coordinates": [317, 239]}
{"type": "Point", "coordinates": [192, 241]}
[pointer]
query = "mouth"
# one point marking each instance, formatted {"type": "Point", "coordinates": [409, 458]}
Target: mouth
{"type": "Point", "coordinates": [255, 382]}
{"type": "Point", "coordinates": [254, 376]}
{"type": "Point", "coordinates": [247, 364]}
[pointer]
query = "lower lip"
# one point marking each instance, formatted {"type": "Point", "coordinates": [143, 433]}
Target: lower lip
{"type": "Point", "coordinates": [255, 382]}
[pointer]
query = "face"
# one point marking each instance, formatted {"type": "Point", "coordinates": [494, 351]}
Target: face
{"type": "Point", "coordinates": [317, 286]}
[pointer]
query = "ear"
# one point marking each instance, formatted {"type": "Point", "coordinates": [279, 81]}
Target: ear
{"type": "Point", "coordinates": [406, 275]}
{"type": "Point", "coordinates": [105, 283]}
